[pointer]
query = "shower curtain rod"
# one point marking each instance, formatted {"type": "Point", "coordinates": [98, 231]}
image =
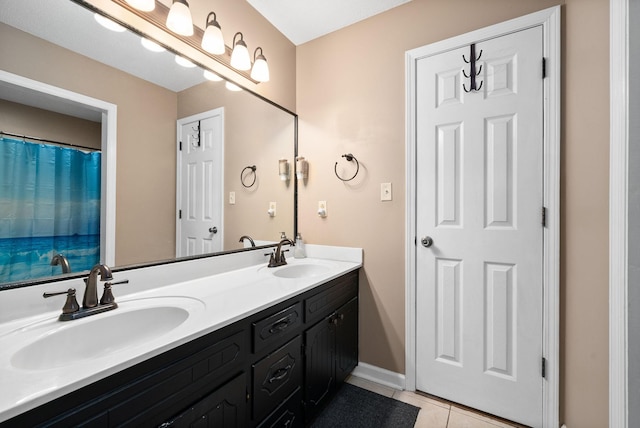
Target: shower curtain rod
{"type": "Point", "coordinates": [44, 140]}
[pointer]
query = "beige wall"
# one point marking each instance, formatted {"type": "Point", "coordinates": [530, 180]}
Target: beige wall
{"type": "Point", "coordinates": [351, 98]}
{"type": "Point", "coordinates": [34, 122]}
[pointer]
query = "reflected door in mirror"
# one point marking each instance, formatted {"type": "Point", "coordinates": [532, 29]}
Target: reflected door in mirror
{"type": "Point", "coordinates": [199, 229]}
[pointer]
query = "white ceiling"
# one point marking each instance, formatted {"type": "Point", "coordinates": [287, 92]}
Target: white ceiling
{"type": "Point", "coordinates": [304, 20]}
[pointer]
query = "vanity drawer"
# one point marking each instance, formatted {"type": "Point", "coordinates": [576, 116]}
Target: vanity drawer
{"type": "Point", "coordinates": [275, 377]}
{"type": "Point", "coordinates": [268, 331]}
{"type": "Point", "coordinates": [339, 292]}
{"type": "Point", "coordinates": [288, 415]}
{"type": "Point", "coordinates": [152, 395]}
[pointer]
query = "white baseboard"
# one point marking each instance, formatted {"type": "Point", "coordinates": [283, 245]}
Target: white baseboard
{"type": "Point", "coordinates": [379, 375]}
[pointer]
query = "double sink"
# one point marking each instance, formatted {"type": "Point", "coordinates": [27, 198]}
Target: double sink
{"type": "Point", "coordinates": [50, 344]}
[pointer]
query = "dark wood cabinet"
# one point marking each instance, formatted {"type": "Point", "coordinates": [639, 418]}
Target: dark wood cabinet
{"type": "Point", "coordinates": [276, 368]}
{"type": "Point", "coordinates": [330, 355]}
{"type": "Point", "coordinates": [223, 408]}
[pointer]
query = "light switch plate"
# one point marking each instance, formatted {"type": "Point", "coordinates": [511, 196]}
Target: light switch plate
{"type": "Point", "coordinates": [272, 209]}
{"type": "Point", "coordinates": [385, 192]}
{"type": "Point", "coordinates": [232, 198]}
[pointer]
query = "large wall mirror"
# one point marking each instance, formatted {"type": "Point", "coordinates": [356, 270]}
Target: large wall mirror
{"type": "Point", "coordinates": [159, 104]}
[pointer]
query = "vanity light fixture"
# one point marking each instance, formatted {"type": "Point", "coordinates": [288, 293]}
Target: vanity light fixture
{"type": "Point", "coordinates": [152, 46]}
{"type": "Point", "coordinates": [212, 40]}
{"type": "Point", "coordinates": [232, 87]}
{"type": "Point", "coordinates": [212, 76]}
{"type": "Point", "coordinates": [260, 70]}
{"type": "Point", "coordinates": [184, 62]}
{"type": "Point", "coordinates": [240, 55]}
{"type": "Point", "coordinates": [143, 5]}
{"type": "Point", "coordinates": [109, 24]}
{"type": "Point", "coordinates": [283, 169]}
{"type": "Point", "coordinates": [179, 18]}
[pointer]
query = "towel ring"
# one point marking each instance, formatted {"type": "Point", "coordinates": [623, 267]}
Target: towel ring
{"type": "Point", "coordinates": [242, 176]}
{"type": "Point", "coordinates": [350, 158]}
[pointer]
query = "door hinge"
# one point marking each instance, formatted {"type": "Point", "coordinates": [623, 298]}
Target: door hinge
{"type": "Point", "coordinates": [180, 146]}
{"type": "Point", "coordinates": [179, 214]}
{"type": "Point", "coordinates": [544, 367]}
{"type": "Point", "coordinates": [544, 67]}
{"type": "Point", "coordinates": [544, 216]}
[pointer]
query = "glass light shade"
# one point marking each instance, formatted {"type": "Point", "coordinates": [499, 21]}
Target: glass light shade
{"type": "Point", "coordinates": [212, 76]}
{"type": "Point", "coordinates": [143, 5]}
{"type": "Point", "coordinates": [283, 169]}
{"type": "Point", "coordinates": [109, 24]}
{"type": "Point", "coordinates": [212, 40]}
{"type": "Point", "coordinates": [179, 20]}
{"type": "Point", "coordinates": [260, 70]}
{"type": "Point", "coordinates": [232, 87]}
{"type": "Point", "coordinates": [152, 46]}
{"type": "Point", "coordinates": [184, 62]}
{"type": "Point", "coordinates": [240, 58]}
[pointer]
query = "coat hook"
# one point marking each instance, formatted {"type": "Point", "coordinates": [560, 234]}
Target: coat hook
{"type": "Point", "coordinates": [472, 72]}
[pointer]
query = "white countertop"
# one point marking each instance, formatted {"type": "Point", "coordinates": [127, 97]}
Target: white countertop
{"type": "Point", "coordinates": [214, 301]}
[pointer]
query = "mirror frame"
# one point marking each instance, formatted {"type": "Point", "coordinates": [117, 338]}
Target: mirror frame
{"type": "Point", "coordinates": [111, 223]}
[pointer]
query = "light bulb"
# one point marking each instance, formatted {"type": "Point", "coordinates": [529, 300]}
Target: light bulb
{"type": "Point", "coordinates": [232, 87]}
{"type": "Point", "coordinates": [184, 62]}
{"type": "Point", "coordinates": [152, 46]}
{"type": "Point", "coordinates": [260, 70]}
{"type": "Point", "coordinates": [212, 40]}
{"type": "Point", "coordinates": [240, 58]}
{"type": "Point", "coordinates": [109, 24]}
{"type": "Point", "coordinates": [179, 18]}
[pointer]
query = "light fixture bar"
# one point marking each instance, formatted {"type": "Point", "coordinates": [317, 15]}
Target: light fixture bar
{"type": "Point", "coordinates": [158, 18]}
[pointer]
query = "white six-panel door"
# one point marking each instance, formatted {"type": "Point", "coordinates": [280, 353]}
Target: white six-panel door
{"type": "Point", "coordinates": [479, 193]}
{"type": "Point", "coordinates": [200, 229]}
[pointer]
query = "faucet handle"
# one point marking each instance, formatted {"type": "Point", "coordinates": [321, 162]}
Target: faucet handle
{"type": "Point", "coordinates": [71, 304]}
{"type": "Point", "coordinates": [107, 296]}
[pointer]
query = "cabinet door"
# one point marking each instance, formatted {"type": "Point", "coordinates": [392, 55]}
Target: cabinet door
{"type": "Point", "coordinates": [319, 364]}
{"type": "Point", "coordinates": [346, 339]}
{"type": "Point", "coordinates": [223, 408]}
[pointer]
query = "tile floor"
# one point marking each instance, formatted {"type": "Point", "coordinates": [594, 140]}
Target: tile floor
{"type": "Point", "coordinates": [435, 413]}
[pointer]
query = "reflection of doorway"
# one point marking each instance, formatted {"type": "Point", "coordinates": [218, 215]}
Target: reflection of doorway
{"type": "Point", "coordinates": [199, 224]}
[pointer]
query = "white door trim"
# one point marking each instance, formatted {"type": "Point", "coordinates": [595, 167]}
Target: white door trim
{"type": "Point", "coordinates": [179, 123]}
{"type": "Point", "coordinates": [618, 205]}
{"type": "Point", "coordinates": [550, 21]}
{"type": "Point", "coordinates": [109, 128]}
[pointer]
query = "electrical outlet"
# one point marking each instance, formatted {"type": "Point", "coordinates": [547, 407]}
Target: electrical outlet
{"type": "Point", "coordinates": [385, 192]}
{"type": "Point", "coordinates": [322, 208]}
{"type": "Point", "coordinates": [232, 198]}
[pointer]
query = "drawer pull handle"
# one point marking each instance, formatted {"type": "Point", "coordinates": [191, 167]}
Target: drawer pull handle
{"type": "Point", "coordinates": [280, 374]}
{"type": "Point", "coordinates": [280, 325]}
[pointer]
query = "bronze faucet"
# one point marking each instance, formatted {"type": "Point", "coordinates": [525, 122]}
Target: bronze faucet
{"type": "Point", "coordinates": [61, 260]}
{"type": "Point", "coordinates": [90, 299]}
{"type": "Point", "coordinates": [243, 237]}
{"type": "Point", "coordinates": [277, 257]}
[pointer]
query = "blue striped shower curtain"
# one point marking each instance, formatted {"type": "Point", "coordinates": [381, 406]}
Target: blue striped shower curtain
{"type": "Point", "coordinates": [49, 204]}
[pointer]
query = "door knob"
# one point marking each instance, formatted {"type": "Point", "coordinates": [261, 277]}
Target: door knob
{"type": "Point", "coordinates": [427, 241]}
{"type": "Point", "coordinates": [213, 230]}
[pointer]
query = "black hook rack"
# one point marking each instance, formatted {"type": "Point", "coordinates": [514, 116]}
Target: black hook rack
{"type": "Point", "coordinates": [350, 158]}
{"type": "Point", "coordinates": [472, 72]}
{"type": "Point", "coordinates": [196, 135]}
{"type": "Point", "coordinates": [242, 176]}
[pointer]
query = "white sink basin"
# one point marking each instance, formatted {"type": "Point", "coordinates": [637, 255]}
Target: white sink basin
{"type": "Point", "coordinates": [59, 344]}
{"type": "Point", "coordinates": [300, 270]}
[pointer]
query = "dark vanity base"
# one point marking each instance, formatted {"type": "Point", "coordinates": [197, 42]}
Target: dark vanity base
{"type": "Point", "coordinates": [277, 368]}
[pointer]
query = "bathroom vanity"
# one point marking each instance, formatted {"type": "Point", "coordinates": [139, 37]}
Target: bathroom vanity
{"type": "Point", "coordinates": [273, 360]}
